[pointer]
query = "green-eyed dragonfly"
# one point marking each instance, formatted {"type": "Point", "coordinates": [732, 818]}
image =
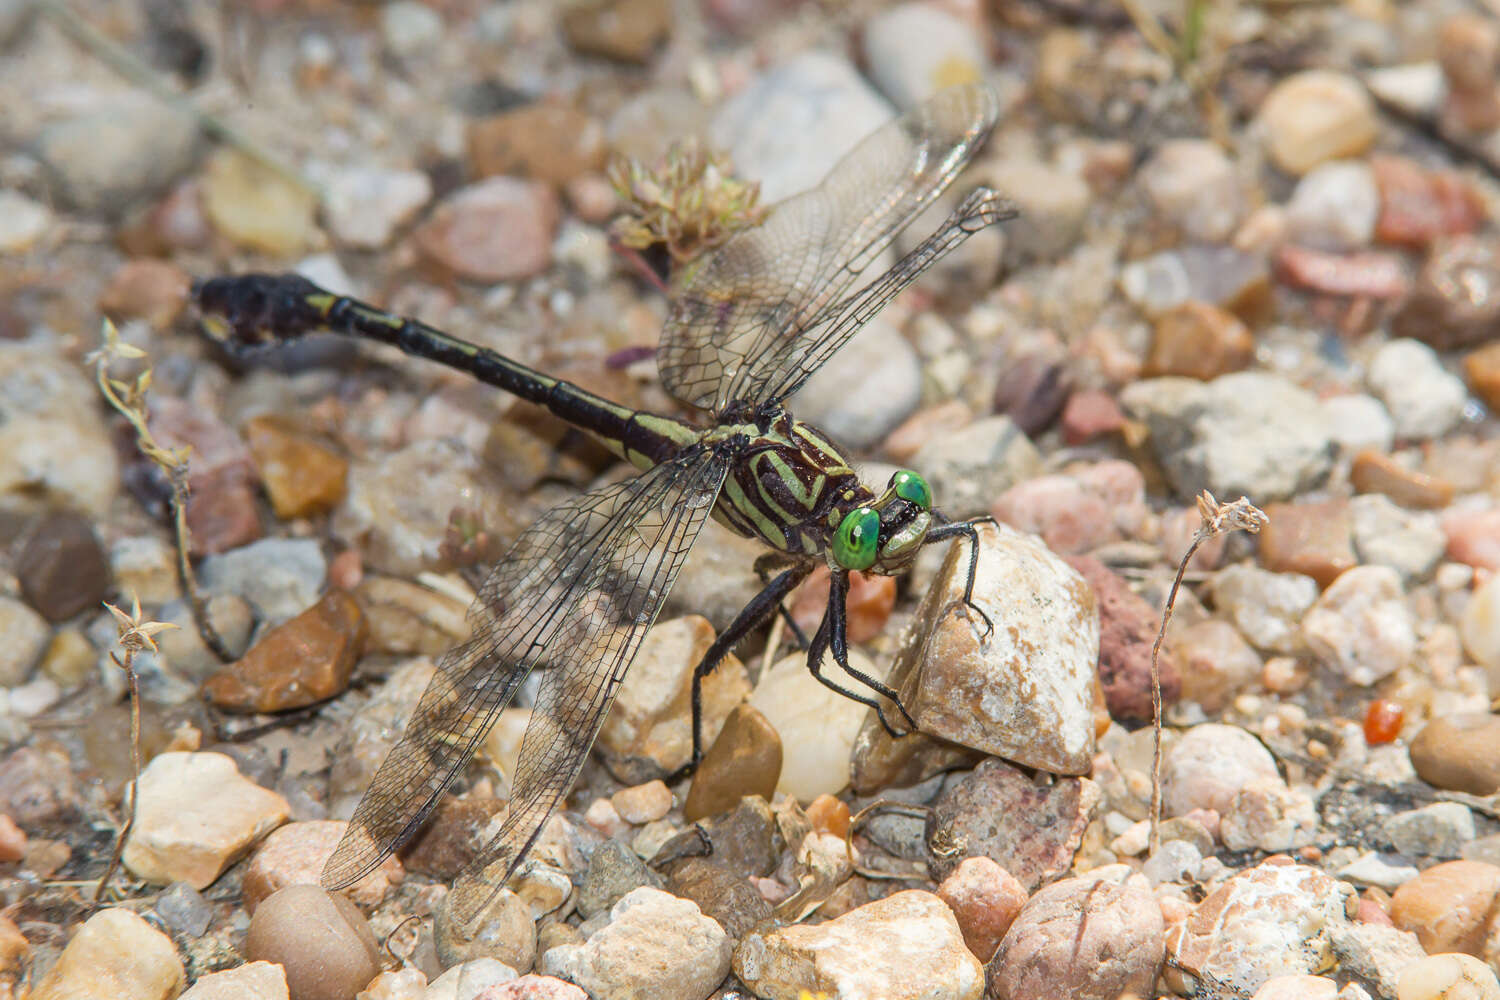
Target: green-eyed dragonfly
{"type": "Point", "coordinates": [576, 593]}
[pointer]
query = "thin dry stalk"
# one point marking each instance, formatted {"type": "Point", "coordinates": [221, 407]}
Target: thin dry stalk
{"type": "Point", "coordinates": [1216, 519]}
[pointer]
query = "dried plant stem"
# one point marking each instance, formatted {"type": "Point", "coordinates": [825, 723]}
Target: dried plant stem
{"type": "Point", "coordinates": [127, 665]}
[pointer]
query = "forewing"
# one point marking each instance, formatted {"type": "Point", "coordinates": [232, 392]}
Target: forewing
{"type": "Point", "coordinates": [737, 311]}
{"type": "Point", "coordinates": [574, 596]}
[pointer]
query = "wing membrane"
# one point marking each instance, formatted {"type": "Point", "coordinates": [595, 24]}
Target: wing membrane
{"type": "Point", "coordinates": [574, 597]}
{"type": "Point", "coordinates": [739, 311]}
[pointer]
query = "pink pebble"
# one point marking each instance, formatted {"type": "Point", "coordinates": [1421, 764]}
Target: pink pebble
{"type": "Point", "coordinates": [985, 898]}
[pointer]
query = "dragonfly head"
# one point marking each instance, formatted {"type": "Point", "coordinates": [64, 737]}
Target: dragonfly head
{"type": "Point", "coordinates": [885, 536]}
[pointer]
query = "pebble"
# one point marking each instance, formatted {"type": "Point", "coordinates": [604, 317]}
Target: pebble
{"type": "Point", "coordinates": [295, 854]}
{"type": "Point", "coordinates": [1081, 511]}
{"type": "Point", "coordinates": [1316, 116]}
{"type": "Point", "coordinates": [12, 841]}
{"type": "Point", "coordinates": [721, 893]}
{"type": "Point", "coordinates": [876, 384]}
{"type": "Point", "coordinates": [1031, 391]}
{"type": "Point", "coordinates": [927, 424]}
{"type": "Point", "coordinates": [1361, 625]}
{"type": "Point", "coordinates": [1386, 872]}
{"type": "Point", "coordinates": [1278, 918]}
{"type": "Point", "coordinates": [643, 803]}
{"type": "Point", "coordinates": [1193, 185]}
{"type": "Point", "coordinates": [1223, 276]}
{"type": "Point", "coordinates": [1441, 311]}
{"type": "Point", "coordinates": [1373, 472]}
{"type": "Point", "coordinates": [504, 930]}
{"type": "Point", "coordinates": [115, 954]}
{"type": "Point", "coordinates": [1266, 607]}
{"type": "Point", "coordinates": [1372, 274]}
{"type": "Point", "coordinates": [301, 475]}
{"type": "Point", "coordinates": [1409, 542]}
{"type": "Point", "coordinates": [627, 30]}
{"type": "Point", "coordinates": [1473, 537]}
{"type": "Point", "coordinates": [1479, 626]}
{"type": "Point", "coordinates": [1245, 434]}
{"type": "Point", "coordinates": [149, 289]}
{"type": "Point", "coordinates": [1357, 422]}
{"type": "Point", "coordinates": [221, 510]}
{"type": "Point", "coordinates": [280, 577]}
{"type": "Point", "coordinates": [1268, 816]}
{"type": "Point", "coordinates": [251, 981]}
{"type": "Point", "coordinates": [256, 208]}
{"type": "Point", "coordinates": [1127, 631]}
{"type": "Point", "coordinates": [183, 908]}
{"type": "Point", "coordinates": [1209, 765]}
{"type": "Point", "coordinates": [1376, 954]}
{"type": "Point", "coordinates": [914, 50]}
{"type": "Point", "coordinates": [54, 446]}
{"type": "Point", "coordinates": [36, 785]}
{"type": "Point", "coordinates": [745, 759]}
{"type": "Point", "coordinates": [903, 947]}
{"type": "Point", "coordinates": [654, 945]}
{"type": "Point", "coordinates": [1456, 752]}
{"type": "Point", "coordinates": [533, 987]}
{"type": "Point", "coordinates": [1053, 205]}
{"type": "Point", "coordinates": [1095, 937]}
{"type": "Point", "coordinates": [613, 873]}
{"type": "Point", "coordinates": [302, 662]}
{"type": "Point", "coordinates": [371, 732]}
{"type": "Point", "coordinates": [496, 229]}
{"type": "Point", "coordinates": [106, 161]}
{"type": "Point", "coordinates": [1090, 414]}
{"type": "Point", "coordinates": [1216, 663]}
{"type": "Point", "coordinates": [1297, 987]}
{"type": "Point", "coordinates": [408, 27]}
{"type": "Point", "coordinates": [321, 940]}
{"type": "Point", "coordinates": [1419, 206]}
{"type": "Point", "coordinates": [409, 619]}
{"type": "Point", "coordinates": [1335, 206]}
{"type": "Point", "coordinates": [821, 723]}
{"type": "Point", "coordinates": [649, 730]}
{"type": "Point", "coordinates": [867, 606]}
{"type": "Point", "coordinates": [26, 636]}
{"type": "Point", "coordinates": [1313, 539]}
{"type": "Point", "coordinates": [548, 142]}
{"type": "Point", "coordinates": [450, 840]}
{"type": "Point", "coordinates": [196, 815]}
{"type": "Point", "coordinates": [794, 121]}
{"type": "Point", "coordinates": [1198, 340]}
{"type": "Point", "coordinates": [1425, 401]}
{"type": "Point", "coordinates": [971, 467]}
{"type": "Point", "coordinates": [1448, 977]}
{"type": "Point", "coordinates": [1448, 906]}
{"type": "Point", "coordinates": [985, 899]}
{"type": "Point", "coordinates": [1467, 47]}
{"type": "Point", "coordinates": [997, 811]}
{"type": "Point", "coordinates": [1439, 830]}
{"type": "Point", "coordinates": [23, 222]}
{"type": "Point", "coordinates": [1482, 369]}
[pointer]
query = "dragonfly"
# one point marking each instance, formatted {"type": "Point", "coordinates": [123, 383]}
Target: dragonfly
{"type": "Point", "coordinates": [573, 598]}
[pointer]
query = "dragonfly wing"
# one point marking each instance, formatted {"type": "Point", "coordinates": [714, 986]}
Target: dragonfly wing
{"type": "Point", "coordinates": [739, 311]}
{"type": "Point", "coordinates": [574, 597]}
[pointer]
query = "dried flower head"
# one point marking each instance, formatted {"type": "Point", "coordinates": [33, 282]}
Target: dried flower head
{"type": "Point", "coordinates": [688, 202]}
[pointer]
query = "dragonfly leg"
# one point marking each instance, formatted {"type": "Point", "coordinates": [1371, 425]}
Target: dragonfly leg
{"type": "Point", "coordinates": [761, 607]}
{"type": "Point", "coordinates": [764, 567]}
{"type": "Point", "coordinates": [968, 530]}
{"type": "Point", "coordinates": [838, 639]}
{"type": "Point", "coordinates": [815, 651]}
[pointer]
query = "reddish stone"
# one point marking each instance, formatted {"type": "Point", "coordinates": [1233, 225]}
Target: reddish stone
{"type": "Point", "coordinates": [871, 599]}
{"type": "Point", "coordinates": [221, 512]}
{"type": "Point", "coordinates": [1482, 368]}
{"type": "Point", "coordinates": [1418, 205]}
{"type": "Point", "coordinates": [1090, 413]}
{"type": "Point", "coordinates": [1373, 472]}
{"type": "Point", "coordinates": [304, 661]}
{"type": "Point", "coordinates": [148, 289]}
{"type": "Point", "coordinates": [1314, 539]}
{"type": "Point", "coordinates": [986, 899]}
{"type": "Point", "coordinates": [1369, 274]}
{"type": "Point", "coordinates": [1383, 721]}
{"type": "Point", "coordinates": [499, 229]}
{"type": "Point", "coordinates": [1199, 340]}
{"type": "Point", "coordinates": [829, 814]}
{"type": "Point", "coordinates": [1448, 906]}
{"type": "Point", "coordinates": [925, 425]}
{"type": "Point", "coordinates": [1474, 537]}
{"type": "Point", "coordinates": [12, 840]}
{"type": "Point", "coordinates": [1127, 631]}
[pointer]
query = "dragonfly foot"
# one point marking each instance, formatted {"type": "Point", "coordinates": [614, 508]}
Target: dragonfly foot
{"type": "Point", "coordinates": [969, 610]}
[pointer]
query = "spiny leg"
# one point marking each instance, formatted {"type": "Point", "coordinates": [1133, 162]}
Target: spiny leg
{"type": "Point", "coordinates": [966, 528]}
{"type": "Point", "coordinates": [761, 607]}
{"type": "Point", "coordinates": [815, 651]}
{"type": "Point", "coordinates": [838, 636]}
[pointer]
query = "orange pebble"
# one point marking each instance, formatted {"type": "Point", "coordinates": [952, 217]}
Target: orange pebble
{"type": "Point", "coordinates": [829, 815]}
{"type": "Point", "coordinates": [1383, 721]}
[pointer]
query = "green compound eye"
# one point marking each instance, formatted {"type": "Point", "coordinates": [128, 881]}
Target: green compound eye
{"type": "Point", "coordinates": [913, 488]}
{"type": "Point", "coordinates": [855, 543]}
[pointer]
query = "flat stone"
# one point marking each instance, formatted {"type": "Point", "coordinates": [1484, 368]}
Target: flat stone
{"type": "Point", "coordinates": [115, 954]}
{"type": "Point", "coordinates": [36, 785]}
{"type": "Point", "coordinates": [1314, 539]}
{"type": "Point", "coordinates": [321, 941]}
{"type": "Point", "coordinates": [1373, 472]}
{"type": "Point", "coordinates": [251, 981]}
{"type": "Point", "coordinates": [745, 759]}
{"type": "Point", "coordinates": [1376, 954]}
{"type": "Point", "coordinates": [903, 947]}
{"type": "Point", "coordinates": [196, 814]}
{"type": "Point", "coordinates": [301, 475]}
{"type": "Point", "coordinates": [408, 619]}
{"type": "Point", "coordinates": [1456, 752]}
{"type": "Point", "coordinates": [627, 30]}
{"type": "Point", "coordinates": [295, 855]}
{"type": "Point", "coordinates": [1410, 542]}
{"type": "Point", "coordinates": [1080, 511]}
{"type": "Point", "coordinates": [302, 662]}
{"type": "Point", "coordinates": [1448, 977]}
{"type": "Point", "coordinates": [1372, 274]}
{"type": "Point", "coordinates": [1439, 830]}
{"type": "Point", "coordinates": [1216, 663]}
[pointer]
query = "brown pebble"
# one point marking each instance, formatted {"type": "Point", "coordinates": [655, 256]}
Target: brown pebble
{"type": "Point", "coordinates": [304, 661]}
{"type": "Point", "coordinates": [1032, 392]}
{"type": "Point", "coordinates": [1448, 906]}
{"type": "Point", "coordinates": [1374, 472]}
{"type": "Point", "coordinates": [829, 814]}
{"type": "Point", "coordinates": [1199, 340]}
{"type": "Point", "coordinates": [627, 30]}
{"type": "Point", "coordinates": [12, 840]}
{"type": "Point", "coordinates": [497, 229]}
{"type": "Point", "coordinates": [547, 142]}
{"type": "Point", "coordinates": [1418, 205]}
{"type": "Point", "coordinates": [295, 854]}
{"type": "Point", "coordinates": [148, 289]}
{"type": "Point", "coordinates": [450, 841]}
{"type": "Point", "coordinates": [925, 425]}
{"type": "Point", "coordinates": [1482, 369]}
{"type": "Point", "coordinates": [13, 947]}
{"type": "Point", "coordinates": [986, 900]}
{"type": "Point", "coordinates": [1442, 310]}
{"type": "Point", "coordinates": [320, 939]}
{"type": "Point", "coordinates": [61, 566]}
{"type": "Point", "coordinates": [1457, 753]}
{"type": "Point", "coordinates": [744, 760]}
{"type": "Point", "coordinates": [1314, 539]}
{"type": "Point", "coordinates": [1127, 631]}
{"type": "Point", "coordinates": [301, 475]}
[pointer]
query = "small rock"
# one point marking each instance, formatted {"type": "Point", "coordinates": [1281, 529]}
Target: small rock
{"type": "Point", "coordinates": [721, 893]}
{"type": "Point", "coordinates": [1313, 539]}
{"type": "Point", "coordinates": [1410, 543]}
{"type": "Point", "coordinates": [371, 733]}
{"type": "Point", "coordinates": [643, 803]}
{"type": "Point", "coordinates": [451, 840]}
{"type": "Point", "coordinates": [1448, 906]}
{"type": "Point", "coordinates": [1095, 938]}
{"type": "Point", "coordinates": [22, 222]}
{"type": "Point", "coordinates": [548, 142]}
{"type": "Point", "coordinates": [301, 475]}
{"type": "Point", "coordinates": [1417, 88]}
{"type": "Point", "coordinates": [821, 723]}
{"type": "Point", "coordinates": [1031, 391]}
{"type": "Point", "coordinates": [295, 854]}
{"type": "Point", "coordinates": [321, 941]}
{"type": "Point", "coordinates": [1480, 625]}
{"type": "Point", "coordinates": [745, 759]}
{"type": "Point", "coordinates": [997, 811]}
{"type": "Point", "coordinates": [1419, 206]}
{"type": "Point", "coordinates": [1482, 369]}
{"type": "Point", "coordinates": [1266, 607]}
{"type": "Point", "coordinates": [1334, 207]}
{"type": "Point", "coordinates": [254, 207]}
{"type": "Point", "coordinates": [182, 908]}
{"type": "Point", "coordinates": [409, 619]}
{"type": "Point", "coordinates": [1216, 663]}
{"type": "Point", "coordinates": [915, 50]}
{"type": "Point", "coordinates": [627, 30]}
{"type": "Point", "coordinates": [1053, 203]}
{"type": "Point", "coordinates": [1127, 632]}
{"type": "Point", "coordinates": [36, 785]}
{"type": "Point", "coordinates": [1361, 625]}
{"type": "Point", "coordinates": [1357, 422]}
{"type": "Point", "coordinates": [1266, 815]}
{"type": "Point", "coordinates": [26, 636]}
{"type": "Point", "coordinates": [1376, 954]}
{"type": "Point", "coordinates": [649, 728]}
{"type": "Point", "coordinates": [1299, 986]}
{"type": "Point", "coordinates": [1425, 401]}
{"type": "Point", "coordinates": [1372, 472]}
{"type": "Point", "coordinates": [1198, 340]}
{"type": "Point", "coordinates": [868, 604]}
{"type": "Point", "coordinates": [985, 900]}
{"type": "Point", "coordinates": [907, 945]}
{"type": "Point", "coordinates": [252, 981]}
{"type": "Point", "coordinates": [149, 289]}
{"type": "Point", "coordinates": [1315, 116]}
{"type": "Point", "coordinates": [1440, 311]}
{"type": "Point", "coordinates": [532, 987]}
{"type": "Point", "coordinates": [1090, 414]}
{"type": "Point", "coordinates": [1448, 977]}
{"type": "Point", "coordinates": [1383, 871]}
{"type": "Point", "coordinates": [1079, 512]}
{"type": "Point", "coordinates": [54, 446]}
{"type": "Point", "coordinates": [1456, 752]}
{"type": "Point", "coordinates": [876, 385]}
{"type": "Point", "coordinates": [118, 955]}
{"type": "Point", "coordinates": [1223, 276]}
{"type": "Point", "coordinates": [1277, 918]}
{"type": "Point", "coordinates": [1473, 537]}
{"type": "Point", "coordinates": [614, 872]}
{"type": "Point", "coordinates": [654, 945]}
{"type": "Point", "coordinates": [967, 470]}
{"type": "Point", "coordinates": [1439, 830]}
{"type": "Point", "coordinates": [302, 662]}
{"type": "Point", "coordinates": [1372, 274]}
{"type": "Point", "coordinates": [280, 577]}
{"type": "Point", "coordinates": [106, 161]}
{"type": "Point", "coordinates": [12, 841]}
{"type": "Point", "coordinates": [409, 27]}
{"type": "Point", "coordinates": [1193, 185]}
{"type": "Point", "coordinates": [497, 229]}
{"type": "Point", "coordinates": [195, 815]}
{"type": "Point", "coordinates": [1209, 765]}
{"type": "Point", "coordinates": [365, 207]}
{"type": "Point", "coordinates": [503, 929]}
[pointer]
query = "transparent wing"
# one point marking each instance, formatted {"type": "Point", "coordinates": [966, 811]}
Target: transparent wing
{"type": "Point", "coordinates": [739, 311]}
{"type": "Point", "coordinates": [573, 597]}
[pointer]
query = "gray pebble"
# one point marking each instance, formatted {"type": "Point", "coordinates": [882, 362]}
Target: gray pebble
{"type": "Point", "coordinates": [104, 162]}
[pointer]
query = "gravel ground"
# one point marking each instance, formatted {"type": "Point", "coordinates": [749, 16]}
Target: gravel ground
{"type": "Point", "coordinates": [1256, 255]}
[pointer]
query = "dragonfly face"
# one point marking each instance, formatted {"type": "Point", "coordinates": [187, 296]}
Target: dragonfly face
{"type": "Point", "coordinates": [885, 536]}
